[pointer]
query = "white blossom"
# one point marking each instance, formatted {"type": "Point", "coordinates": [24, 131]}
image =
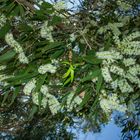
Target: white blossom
{"type": "Point", "coordinates": [44, 89]}
{"type": "Point", "coordinates": [2, 20]}
{"type": "Point", "coordinates": [46, 31]}
{"type": "Point", "coordinates": [47, 68]}
{"type": "Point", "coordinates": [124, 86]}
{"type": "Point", "coordinates": [59, 5]}
{"type": "Point", "coordinates": [22, 58]}
{"type": "Point", "coordinates": [129, 61]}
{"type": "Point", "coordinates": [111, 103]}
{"type": "Point", "coordinates": [109, 55]}
{"type": "Point", "coordinates": [117, 70]}
{"type": "Point", "coordinates": [28, 88]}
{"type": "Point", "coordinates": [2, 67]}
{"type": "Point", "coordinates": [106, 74]}
{"type": "Point", "coordinates": [18, 49]}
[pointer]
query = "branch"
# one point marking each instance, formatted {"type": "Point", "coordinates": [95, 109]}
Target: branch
{"type": "Point", "coordinates": [26, 4]}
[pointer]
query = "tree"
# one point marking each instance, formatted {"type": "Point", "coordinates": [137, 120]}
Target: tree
{"type": "Point", "coordinates": [79, 62]}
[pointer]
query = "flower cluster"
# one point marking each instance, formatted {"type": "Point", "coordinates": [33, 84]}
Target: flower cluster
{"type": "Point", "coordinates": [72, 101]}
{"type": "Point", "coordinates": [28, 88]}
{"type": "Point", "coordinates": [47, 68]}
{"type": "Point", "coordinates": [114, 27]}
{"type": "Point", "coordinates": [59, 5]}
{"type": "Point", "coordinates": [46, 32]}
{"type": "Point", "coordinates": [17, 47]}
{"type": "Point", "coordinates": [2, 67]}
{"type": "Point", "coordinates": [4, 77]}
{"type": "Point", "coordinates": [110, 103]}
{"type": "Point", "coordinates": [49, 99]}
{"type": "Point", "coordinates": [2, 20]}
{"type": "Point", "coordinates": [122, 62]}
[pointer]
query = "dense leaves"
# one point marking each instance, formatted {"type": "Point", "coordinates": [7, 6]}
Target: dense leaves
{"type": "Point", "coordinates": [84, 61]}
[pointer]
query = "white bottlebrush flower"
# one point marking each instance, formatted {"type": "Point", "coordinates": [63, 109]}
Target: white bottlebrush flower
{"type": "Point", "coordinates": [18, 49]}
{"type": "Point", "coordinates": [28, 88]}
{"type": "Point", "coordinates": [44, 89]}
{"type": "Point", "coordinates": [72, 37]}
{"type": "Point", "coordinates": [22, 58]}
{"type": "Point", "coordinates": [109, 55]}
{"type": "Point", "coordinates": [117, 70]}
{"type": "Point", "coordinates": [47, 68]}
{"type": "Point", "coordinates": [114, 84]}
{"type": "Point", "coordinates": [2, 67]}
{"type": "Point", "coordinates": [129, 61]}
{"type": "Point", "coordinates": [13, 43]}
{"type": "Point", "coordinates": [35, 98]}
{"type": "Point", "coordinates": [46, 31]}
{"type": "Point", "coordinates": [111, 103]}
{"type": "Point", "coordinates": [133, 79]}
{"type": "Point", "coordinates": [2, 20]}
{"type": "Point", "coordinates": [59, 5]}
{"type": "Point", "coordinates": [72, 102]}
{"type": "Point", "coordinates": [108, 62]}
{"type": "Point", "coordinates": [131, 37]}
{"type": "Point", "coordinates": [4, 77]}
{"type": "Point", "coordinates": [124, 86]}
{"type": "Point", "coordinates": [53, 103]}
{"type": "Point", "coordinates": [106, 74]}
{"type": "Point", "coordinates": [36, 101]}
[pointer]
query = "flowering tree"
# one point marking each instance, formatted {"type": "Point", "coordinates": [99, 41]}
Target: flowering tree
{"type": "Point", "coordinates": [65, 61]}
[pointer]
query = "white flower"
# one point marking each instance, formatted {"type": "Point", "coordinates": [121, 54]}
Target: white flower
{"type": "Point", "coordinates": [46, 31]}
{"type": "Point", "coordinates": [47, 68]}
{"type": "Point", "coordinates": [106, 74]}
{"type": "Point", "coordinates": [117, 70]}
{"type": "Point", "coordinates": [18, 49]}
{"type": "Point", "coordinates": [2, 20]}
{"type": "Point", "coordinates": [2, 67]}
{"type": "Point", "coordinates": [54, 105]}
{"type": "Point", "coordinates": [4, 77]}
{"type": "Point", "coordinates": [35, 98]}
{"type": "Point", "coordinates": [44, 89]}
{"type": "Point", "coordinates": [11, 42]}
{"type": "Point", "coordinates": [59, 5]}
{"type": "Point", "coordinates": [124, 86]}
{"type": "Point", "coordinates": [109, 55]}
{"type": "Point", "coordinates": [72, 102]}
{"type": "Point", "coordinates": [114, 84]}
{"type": "Point", "coordinates": [72, 37]}
{"type": "Point", "coordinates": [111, 103]}
{"type": "Point", "coordinates": [28, 88]}
{"type": "Point", "coordinates": [129, 61]}
{"type": "Point", "coordinates": [22, 58]}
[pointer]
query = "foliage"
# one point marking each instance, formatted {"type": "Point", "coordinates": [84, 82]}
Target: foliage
{"type": "Point", "coordinates": [86, 61]}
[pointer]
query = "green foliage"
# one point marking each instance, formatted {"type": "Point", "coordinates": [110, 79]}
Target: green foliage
{"type": "Point", "coordinates": [48, 51]}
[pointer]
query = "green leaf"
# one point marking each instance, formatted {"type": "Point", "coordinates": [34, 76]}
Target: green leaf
{"type": "Point", "coordinates": [40, 82]}
{"type": "Point", "coordinates": [7, 56]}
{"type": "Point", "coordinates": [67, 73]}
{"type": "Point", "coordinates": [56, 20]}
{"type": "Point", "coordinates": [52, 46]}
{"type": "Point", "coordinates": [33, 111]}
{"type": "Point", "coordinates": [57, 54]}
{"type": "Point", "coordinates": [99, 83]}
{"type": "Point", "coordinates": [85, 99]}
{"type": "Point", "coordinates": [4, 30]}
{"type": "Point", "coordinates": [72, 75]}
{"type": "Point", "coordinates": [6, 95]}
{"type": "Point", "coordinates": [92, 60]}
{"type": "Point", "coordinates": [92, 75]}
{"type": "Point", "coordinates": [15, 94]}
{"type": "Point", "coordinates": [22, 12]}
{"type": "Point", "coordinates": [67, 81]}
